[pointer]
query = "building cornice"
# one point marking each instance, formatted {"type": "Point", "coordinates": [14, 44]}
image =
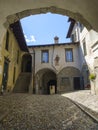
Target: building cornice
{"type": "Point", "coordinates": [50, 45]}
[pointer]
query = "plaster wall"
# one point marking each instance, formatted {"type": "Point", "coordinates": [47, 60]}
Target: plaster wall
{"type": "Point", "coordinates": [11, 55]}
{"type": "Point", "coordinates": [53, 52]}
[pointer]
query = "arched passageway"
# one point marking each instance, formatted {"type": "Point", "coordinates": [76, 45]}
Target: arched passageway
{"type": "Point", "coordinates": [23, 81]}
{"type": "Point", "coordinates": [69, 79]}
{"type": "Point", "coordinates": [45, 81]}
{"type": "Point", "coordinates": [26, 63]}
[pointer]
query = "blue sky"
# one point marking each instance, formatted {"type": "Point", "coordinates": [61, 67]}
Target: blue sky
{"type": "Point", "coordinates": [42, 28]}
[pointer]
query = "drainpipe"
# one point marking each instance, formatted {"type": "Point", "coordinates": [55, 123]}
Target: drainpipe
{"type": "Point", "coordinates": [54, 68]}
{"type": "Point", "coordinates": [52, 58]}
{"type": "Point", "coordinates": [56, 41]}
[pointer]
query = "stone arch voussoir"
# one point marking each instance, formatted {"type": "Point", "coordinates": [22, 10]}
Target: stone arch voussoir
{"type": "Point", "coordinates": [53, 9]}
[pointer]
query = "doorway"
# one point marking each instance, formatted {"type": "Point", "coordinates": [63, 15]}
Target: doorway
{"type": "Point", "coordinates": [26, 63]}
{"type": "Point", "coordinates": [52, 83]}
{"type": "Point", "coordinates": [77, 85]}
{"type": "Point", "coordinates": [5, 74]}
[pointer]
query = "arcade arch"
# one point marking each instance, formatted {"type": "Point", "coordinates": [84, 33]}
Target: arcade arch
{"type": "Point", "coordinates": [44, 79]}
{"type": "Point", "coordinates": [69, 79]}
{"type": "Point", "coordinates": [26, 65]}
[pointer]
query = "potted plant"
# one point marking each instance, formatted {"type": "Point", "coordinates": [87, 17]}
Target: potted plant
{"type": "Point", "coordinates": [92, 76]}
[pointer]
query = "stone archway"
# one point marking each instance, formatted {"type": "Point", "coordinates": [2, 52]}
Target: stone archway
{"type": "Point", "coordinates": [52, 9]}
{"type": "Point", "coordinates": [69, 79]}
{"type": "Point", "coordinates": [44, 79]}
{"type": "Point", "coordinates": [79, 10]}
{"type": "Point", "coordinates": [26, 65]}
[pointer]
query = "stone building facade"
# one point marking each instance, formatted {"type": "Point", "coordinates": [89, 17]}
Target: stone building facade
{"type": "Point", "coordinates": [11, 57]}
{"type": "Point", "coordinates": [56, 65]}
{"type": "Point", "coordinates": [88, 49]}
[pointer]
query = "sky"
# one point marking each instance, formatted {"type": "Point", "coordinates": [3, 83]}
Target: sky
{"type": "Point", "coordinates": [42, 28]}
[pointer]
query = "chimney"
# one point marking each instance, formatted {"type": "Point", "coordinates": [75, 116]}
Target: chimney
{"type": "Point", "coordinates": [56, 40]}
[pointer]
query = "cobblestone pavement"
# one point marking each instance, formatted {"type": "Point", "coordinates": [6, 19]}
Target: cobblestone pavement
{"type": "Point", "coordinates": [42, 112]}
{"type": "Point", "coordinates": [86, 99]}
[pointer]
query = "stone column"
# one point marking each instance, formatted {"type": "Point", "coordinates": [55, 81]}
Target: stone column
{"type": "Point", "coordinates": [96, 80]}
{"type": "Point", "coordinates": [58, 84]}
{"type": "Point", "coordinates": [37, 85]}
{"type": "Point", "coordinates": [71, 84]}
{"type": "Point", "coordinates": [96, 72]}
{"type": "Point", "coordinates": [31, 87]}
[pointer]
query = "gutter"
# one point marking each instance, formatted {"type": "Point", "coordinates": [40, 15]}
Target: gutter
{"type": "Point", "coordinates": [84, 110]}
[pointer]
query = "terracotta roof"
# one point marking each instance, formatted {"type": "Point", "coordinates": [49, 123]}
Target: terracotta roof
{"type": "Point", "coordinates": [18, 32]}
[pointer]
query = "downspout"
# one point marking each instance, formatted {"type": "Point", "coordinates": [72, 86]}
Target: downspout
{"type": "Point", "coordinates": [52, 58]}
{"type": "Point", "coordinates": [54, 67]}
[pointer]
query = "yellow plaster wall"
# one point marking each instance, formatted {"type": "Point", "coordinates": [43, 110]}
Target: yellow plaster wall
{"type": "Point", "coordinates": [11, 54]}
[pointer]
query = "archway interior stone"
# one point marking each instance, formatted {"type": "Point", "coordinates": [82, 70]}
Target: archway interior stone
{"type": "Point", "coordinates": [44, 79]}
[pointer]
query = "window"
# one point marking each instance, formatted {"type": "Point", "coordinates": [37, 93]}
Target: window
{"type": "Point", "coordinates": [45, 56]}
{"type": "Point", "coordinates": [69, 55]}
{"type": "Point", "coordinates": [74, 37]}
{"type": "Point", "coordinates": [65, 81]}
{"type": "Point", "coordinates": [7, 40]}
{"type": "Point", "coordinates": [84, 47]}
{"type": "Point", "coordinates": [81, 26]}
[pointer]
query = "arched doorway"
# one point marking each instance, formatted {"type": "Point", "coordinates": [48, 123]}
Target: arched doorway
{"type": "Point", "coordinates": [26, 63]}
{"type": "Point", "coordinates": [45, 80]}
{"type": "Point", "coordinates": [69, 79]}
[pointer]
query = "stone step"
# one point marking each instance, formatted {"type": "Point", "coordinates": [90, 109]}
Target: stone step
{"type": "Point", "coordinates": [22, 83]}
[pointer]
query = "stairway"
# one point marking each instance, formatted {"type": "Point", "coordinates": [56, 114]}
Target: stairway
{"type": "Point", "coordinates": [22, 83]}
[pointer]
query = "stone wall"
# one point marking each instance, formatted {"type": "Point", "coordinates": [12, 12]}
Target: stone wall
{"type": "Point", "coordinates": [65, 80]}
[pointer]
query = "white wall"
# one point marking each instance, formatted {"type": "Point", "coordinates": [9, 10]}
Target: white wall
{"type": "Point", "coordinates": [91, 37]}
{"type": "Point", "coordinates": [53, 51]}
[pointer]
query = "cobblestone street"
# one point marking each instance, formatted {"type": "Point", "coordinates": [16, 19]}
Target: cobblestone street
{"type": "Point", "coordinates": [42, 112]}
